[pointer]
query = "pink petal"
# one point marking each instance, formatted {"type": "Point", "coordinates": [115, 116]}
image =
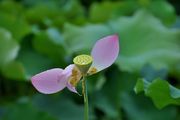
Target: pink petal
{"type": "Point", "coordinates": [105, 52]}
{"type": "Point", "coordinates": [50, 81]}
{"type": "Point", "coordinates": [71, 88]}
{"type": "Point", "coordinates": [68, 72]}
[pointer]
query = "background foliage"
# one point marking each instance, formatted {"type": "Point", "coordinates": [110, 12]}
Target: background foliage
{"type": "Point", "coordinates": [143, 84]}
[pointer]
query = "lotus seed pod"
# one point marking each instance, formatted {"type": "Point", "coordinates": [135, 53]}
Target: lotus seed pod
{"type": "Point", "coordinates": [83, 62]}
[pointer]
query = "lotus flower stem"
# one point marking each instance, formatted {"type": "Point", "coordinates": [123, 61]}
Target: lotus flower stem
{"type": "Point", "coordinates": [85, 94]}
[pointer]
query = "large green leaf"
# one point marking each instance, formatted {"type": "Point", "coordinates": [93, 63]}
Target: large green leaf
{"type": "Point", "coordinates": [15, 24]}
{"type": "Point", "coordinates": [107, 98]}
{"type": "Point", "coordinates": [26, 65]}
{"type": "Point", "coordinates": [141, 108]}
{"type": "Point", "coordinates": [14, 70]}
{"type": "Point", "coordinates": [8, 47]}
{"type": "Point", "coordinates": [107, 10]}
{"type": "Point", "coordinates": [81, 39]}
{"type": "Point", "coordinates": [163, 10]}
{"type": "Point", "coordinates": [31, 61]}
{"type": "Point", "coordinates": [51, 44]}
{"type": "Point", "coordinates": [59, 106]}
{"type": "Point", "coordinates": [143, 39]}
{"type": "Point", "coordinates": [160, 91]}
{"type": "Point", "coordinates": [103, 103]}
{"type": "Point", "coordinates": [41, 12]}
{"type": "Point", "coordinates": [48, 13]}
{"type": "Point", "coordinates": [104, 11]}
{"type": "Point", "coordinates": [34, 63]}
{"type": "Point", "coordinates": [11, 7]}
{"type": "Point", "coordinates": [146, 42]}
{"type": "Point", "coordinates": [149, 73]}
{"type": "Point", "coordinates": [24, 110]}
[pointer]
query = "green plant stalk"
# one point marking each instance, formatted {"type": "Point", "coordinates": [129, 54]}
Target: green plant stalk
{"type": "Point", "coordinates": [85, 95]}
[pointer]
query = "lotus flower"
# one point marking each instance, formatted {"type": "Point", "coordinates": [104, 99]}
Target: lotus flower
{"type": "Point", "coordinates": [103, 55]}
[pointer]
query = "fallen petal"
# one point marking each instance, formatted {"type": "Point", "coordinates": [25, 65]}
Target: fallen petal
{"type": "Point", "coordinates": [105, 52]}
{"type": "Point", "coordinates": [50, 81]}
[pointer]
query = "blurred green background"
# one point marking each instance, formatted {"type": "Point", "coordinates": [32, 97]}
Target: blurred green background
{"type": "Point", "coordinates": [36, 35]}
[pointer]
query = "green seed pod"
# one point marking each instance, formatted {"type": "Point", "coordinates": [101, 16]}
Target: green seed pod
{"type": "Point", "coordinates": [83, 62]}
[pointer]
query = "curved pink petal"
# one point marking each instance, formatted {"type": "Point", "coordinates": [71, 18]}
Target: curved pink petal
{"type": "Point", "coordinates": [71, 88]}
{"type": "Point", "coordinates": [68, 71]}
{"type": "Point", "coordinates": [50, 81]}
{"type": "Point", "coordinates": [105, 52]}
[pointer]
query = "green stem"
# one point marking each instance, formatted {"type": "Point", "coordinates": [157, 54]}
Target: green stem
{"type": "Point", "coordinates": [85, 94]}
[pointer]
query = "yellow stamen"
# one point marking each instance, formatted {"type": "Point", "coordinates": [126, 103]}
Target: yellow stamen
{"type": "Point", "coordinates": [75, 77]}
{"type": "Point", "coordinates": [92, 70]}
